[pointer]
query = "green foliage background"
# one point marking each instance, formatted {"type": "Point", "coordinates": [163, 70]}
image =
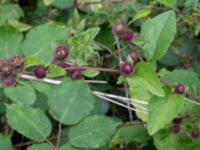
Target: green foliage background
{"type": "Point", "coordinates": [32, 110]}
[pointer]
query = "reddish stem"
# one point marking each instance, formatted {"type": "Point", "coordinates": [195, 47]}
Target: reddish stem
{"type": "Point", "coordinates": [96, 69]}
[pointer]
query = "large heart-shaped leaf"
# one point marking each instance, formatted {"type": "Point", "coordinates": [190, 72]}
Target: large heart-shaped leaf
{"type": "Point", "coordinates": [41, 41]}
{"type": "Point", "coordinates": [10, 40]}
{"type": "Point", "coordinates": [93, 132]}
{"type": "Point", "coordinates": [162, 110]}
{"type": "Point", "coordinates": [71, 101]}
{"type": "Point", "coordinates": [28, 121]}
{"type": "Point", "coordinates": [157, 34]}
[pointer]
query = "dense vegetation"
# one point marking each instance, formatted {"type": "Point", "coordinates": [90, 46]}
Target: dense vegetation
{"type": "Point", "coordinates": [100, 74]}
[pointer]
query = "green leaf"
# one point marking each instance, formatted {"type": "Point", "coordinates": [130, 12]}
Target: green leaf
{"type": "Point", "coordinates": [190, 2]}
{"type": "Point", "coordinates": [71, 101]}
{"type": "Point", "coordinates": [101, 107]}
{"type": "Point", "coordinates": [62, 3]}
{"type": "Point", "coordinates": [32, 61]}
{"type": "Point", "coordinates": [157, 34]}
{"type": "Point", "coordinates": [128, 134]}
{"type": "Point", "coordinates": [9, 11]}
{"type": "Point", "coordinates": [43, 146]}
{"type": "Point", "coordinates": [141, 13]}
{"type": "Point", "coordinates": [68, 147]}
{"type": "Point", "coordinates": [166, 140]}
{"type": "Point", "coordinates": [42, 87]}
{"type": "Point", "coordinates": [55, 71]}
{"type": "Point", "coordinates": [10, 40]}
{"type": "Point", "coordinates": [197, 28]}
{"type": "Point", "coordinates": [23, 93]}
{"type": "Point", "coordinates": [184, 77]}
{"type": "Point", "coordinates": [5, 143]}
{"type": "Point", "coordinates": [185, 141]}
{"type": "Point", "coordinates": [2, 108]}
{"type": "Point", "coordinates": [90, 73]}
{"type": "Point", "coordinates": [41, 101]}
{"type": "Point", "coordinates": [162, 111]}
{"type": "Point", "coordinates": [47, 2]}
{"type": "Point", "coordinates": [28, 121]}
{"type": "Point", "coordinates": [140, 93]}
{"type": "Point", "coordinates": [120, 79]}
{"type": "Point", "coordinates": [74, 20]}
{"type": "Point", "coordinates": [19, 25]}
{"type": "Point", "coordinates": [41, 41]}
{"type": "Point", "coordinates": [93, 132]}
{"type": "Point", "coordinates": [142, 85]}
{"type": "Point", "coordinates": [168, 3]}
{"type": "Point", "coordinates": [146, 77]}
{"type": "Point", "coordinates": [81, 45]}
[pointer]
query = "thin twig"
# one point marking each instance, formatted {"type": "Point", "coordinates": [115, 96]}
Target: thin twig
{"type": "Point", "coordinates": [125, 106]}
{"type": "Point", "coordinates": [124, 101]}
{"type": "Point", "coordinates": [100, 2]}
{"type": "Point", "coordinates": [109, 50]}
{"type": "Point", "coordinates": [191, 101]}
{"type": "Point", "coordinates": [125, 82]}
{"type": "Point", "coordinates": [121, 98]}
{"type": "Point", "coordinates": [56, 82]}
{"type": "Point", "coordinates": [127, 95]}
{"type": "Point", "coordinates": [46, 80]}
{"type": "Point", "coordinates": [59, 136]}
{"type": "Point", "coordinates": [96, 81]}
{"type": "Point", "coordinates": [34, 142]}
{"type": "Point", "coordinates": [50, 143]}
{"type": "Point", "coordinates": [190, 94]}
{"type": "Point", "coordinates": [167, 83]}
{"type": "Point", "coordinates": [131, 124]}
{"type": "Point", "coordinates": [118, 47]}
{"type": "Point", "coordinates": [191, 116]}
{"type": "Point", "coordinates": [96, 69]}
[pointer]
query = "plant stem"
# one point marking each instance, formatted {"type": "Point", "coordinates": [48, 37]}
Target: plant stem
{"type": "Point", "coordinates": [33, 142]}
{"type": "Point", "coordinates": [49, 142]}
{"type": "Point", "coordinates": [125, 82]}
{"type": "Point", "coordinates": [167, 83]}
{"type": "Point", "coordinates": [190, 94]}
{"type": "Point", "coordinates": [131, 124]}
{"type": "Point", "coordinates": [59, 136]}
{"type": "Point", "coordinates": [56, 82]}
{"type": "Point", "coordinates": [109, 50]}
{"type": "Point", "coordinates": [96, 69]}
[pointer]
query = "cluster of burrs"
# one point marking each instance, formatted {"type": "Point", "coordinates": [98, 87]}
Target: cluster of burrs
{"type": "Point", "coordinates": [10, 68]}
{"type": "Point", "coordinates": [60, 55]}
